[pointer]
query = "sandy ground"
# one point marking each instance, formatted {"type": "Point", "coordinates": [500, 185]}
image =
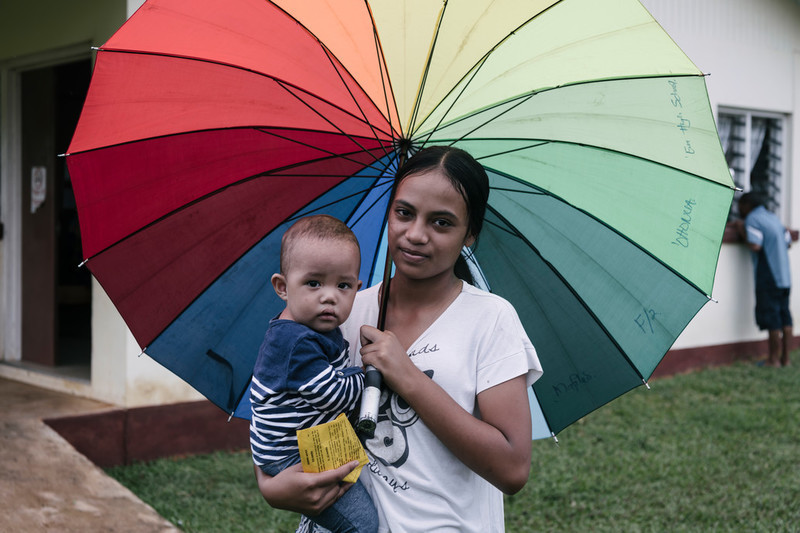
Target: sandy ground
{"type": "Point", "coordinates": [45, 485]}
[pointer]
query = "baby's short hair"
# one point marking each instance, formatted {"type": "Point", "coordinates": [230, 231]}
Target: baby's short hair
{"type": "Point", "coordinates": [319, 227]}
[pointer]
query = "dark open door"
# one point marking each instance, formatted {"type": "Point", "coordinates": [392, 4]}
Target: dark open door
{"type": "Point", "coordinates": [56, 294]}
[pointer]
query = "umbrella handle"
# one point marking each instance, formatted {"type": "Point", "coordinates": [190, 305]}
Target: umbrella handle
{"type": "Point", "coordinates": [368, 417]}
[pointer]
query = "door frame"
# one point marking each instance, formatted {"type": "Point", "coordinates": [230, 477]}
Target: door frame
{"type": "Point", "coordinates": [11, 188]}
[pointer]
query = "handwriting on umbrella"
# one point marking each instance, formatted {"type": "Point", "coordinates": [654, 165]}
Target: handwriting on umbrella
{"type": "Point", "coordinates": [645, 320]}
{"type": "Point", "coordinates": [684, 124]}
{"type": "Point", "coordinates": [682, 231]}
{"type": "Point", "coordinates": [573, 385]}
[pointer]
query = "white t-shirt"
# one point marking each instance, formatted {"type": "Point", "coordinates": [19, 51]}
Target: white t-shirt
{"type": "Point", "coordinates": [418, 484]}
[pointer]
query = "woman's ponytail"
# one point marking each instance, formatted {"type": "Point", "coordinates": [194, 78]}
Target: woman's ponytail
{"type": "Point", "coordinates": [462, 270]}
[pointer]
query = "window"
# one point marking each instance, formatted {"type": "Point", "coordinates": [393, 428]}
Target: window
{"type": "Point", "coordinates": [754, 145]}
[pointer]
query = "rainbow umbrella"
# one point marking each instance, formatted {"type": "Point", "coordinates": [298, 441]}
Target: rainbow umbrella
{"type": "Point", "coordinates": [211, 125]}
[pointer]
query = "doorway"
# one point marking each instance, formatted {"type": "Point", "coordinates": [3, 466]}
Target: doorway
{"type": "Point", "coordinates": [56, 293]}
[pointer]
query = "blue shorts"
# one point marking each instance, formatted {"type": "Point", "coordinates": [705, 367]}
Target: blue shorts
{"type": "Point", "coordinates": [772, 308]}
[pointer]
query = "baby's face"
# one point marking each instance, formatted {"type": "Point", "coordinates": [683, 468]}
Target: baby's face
{"type": "Point", "coordinates": [321, 283]}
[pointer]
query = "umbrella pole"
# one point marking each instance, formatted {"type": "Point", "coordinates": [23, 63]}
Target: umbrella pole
{"type": "Point", "coordinates": [370, 397]}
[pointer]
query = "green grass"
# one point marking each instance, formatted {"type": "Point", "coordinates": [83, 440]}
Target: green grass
{"type": "Point", "coordinates": [714, 450]}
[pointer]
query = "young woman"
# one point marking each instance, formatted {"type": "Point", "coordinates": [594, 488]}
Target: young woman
{"type": "Point", "coordinates": [454, 424]}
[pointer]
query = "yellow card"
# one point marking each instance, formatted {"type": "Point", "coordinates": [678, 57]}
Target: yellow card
{"type": "Point", "coordinates": [328, 446]}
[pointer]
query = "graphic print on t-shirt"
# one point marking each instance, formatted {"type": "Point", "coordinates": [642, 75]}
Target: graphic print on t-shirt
{"type": "Point", "coordinates": [390, 443]}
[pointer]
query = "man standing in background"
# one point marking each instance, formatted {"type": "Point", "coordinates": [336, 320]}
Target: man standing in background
{"type": "Point", "coordinates": [769, 241]}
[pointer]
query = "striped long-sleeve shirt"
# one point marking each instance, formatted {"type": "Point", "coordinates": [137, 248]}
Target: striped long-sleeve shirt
{"type": "Point", "coordinates": [301, 379]}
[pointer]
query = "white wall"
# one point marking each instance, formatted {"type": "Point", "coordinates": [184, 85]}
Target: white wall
{"type": "Point", "coordinates": [133, 5]}
{"type": "Point", "coordinates": [746, 47]}
{"type": "Point", "coordinates": [121, 374]}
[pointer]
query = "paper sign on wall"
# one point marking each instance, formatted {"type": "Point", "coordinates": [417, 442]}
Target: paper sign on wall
{"type": "Point", "coordinates": [38, 187]}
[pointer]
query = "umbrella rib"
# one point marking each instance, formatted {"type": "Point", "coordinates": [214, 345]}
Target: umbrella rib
{"type": "Point", "coordinates": [383, 69]}
{"type": "Point", "coordinates": [376, 258]}
{"type": "Point", "coordinates": [418, 100]}
{"type": "Point", "coordinates": [387, 189]}
{"type": "Point", "coordinates": [289, 219]}
{"type": "Point", "coordinates": [454, 102]}
{"type": "Point", "coordinates": [289, 88]}
{"type": "Point", "coordinates": [478, 65]}
{"type": "Point", "coordinates": [542, 142]}
{"type": "Point", "coordinates": [238, 398]}
{"type": "Point", "coordinates": [520, 100]}
{"type": "Point", "coordinates": [511, 230]}
{"type": "Point", "coordinates": [255, 127]}
{"type": "Point", "coordinates": [569, 287]}
{"type": "Point", "coordinates": [480, 62]}
{"type": "Point", "coordinates": [323, 117]}
{"type": "Point", "coordinates": [329, 53]}
{"type": "Point", "coordinates": [283, 83]}
{"type": "Point", "coordinates": [523, 98]}
{"type": "Point", "coordinates": [351, 195]}
{"type": "Point", "coordinates": [278, 173]}
{"type": "Point", "coordinates": [255, 243]}
{"type": "Point", "coordinates": [512, 150]}
{"type": "Point", "coordinates": [346, 157]}
{"type": "Point", "coordinates": [330, 56]}
{"type": "Point", "coordinates": [542, 192]}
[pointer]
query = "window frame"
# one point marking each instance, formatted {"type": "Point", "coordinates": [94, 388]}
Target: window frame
{"type": "Point", "coordinates": [783, 196]}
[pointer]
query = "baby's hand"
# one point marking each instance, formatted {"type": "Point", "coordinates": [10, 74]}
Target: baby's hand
{"type": "Point", "coordinates": [310, 494]}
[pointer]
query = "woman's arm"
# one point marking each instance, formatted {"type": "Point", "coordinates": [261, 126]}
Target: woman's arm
{"type": "Point", "coordinates": [497, 446]}
{"type": "Point", "coordinates": [309, 494]}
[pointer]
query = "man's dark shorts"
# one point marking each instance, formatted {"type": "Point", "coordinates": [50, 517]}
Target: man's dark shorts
{"type": "Point", "coordinates": [772, 308]}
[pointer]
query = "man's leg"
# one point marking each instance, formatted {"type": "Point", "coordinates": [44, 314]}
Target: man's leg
{"type": "Point", "coordinates": [786, 345]}
{"type": "Point", "coordinates": [774, 347]}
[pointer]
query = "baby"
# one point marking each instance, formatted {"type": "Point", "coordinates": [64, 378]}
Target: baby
{"type": "Point", "coordinates": [301, 377]}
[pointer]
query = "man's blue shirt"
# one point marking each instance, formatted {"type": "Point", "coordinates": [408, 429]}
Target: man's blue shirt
{"type": "Point", "coordinates": [765, 229]}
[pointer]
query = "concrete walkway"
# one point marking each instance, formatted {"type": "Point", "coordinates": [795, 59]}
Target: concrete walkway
{"type": "Point", "coordinates": [45, 485]}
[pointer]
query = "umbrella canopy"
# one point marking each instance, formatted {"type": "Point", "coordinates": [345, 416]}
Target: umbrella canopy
{"type": "Point", "coordinates": [210, 126]}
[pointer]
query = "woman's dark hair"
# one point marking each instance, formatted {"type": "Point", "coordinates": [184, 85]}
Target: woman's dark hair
{"type": "Point", "coordinates": [468, 178]}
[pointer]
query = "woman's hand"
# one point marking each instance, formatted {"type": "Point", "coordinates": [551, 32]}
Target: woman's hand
{"type": "Point", "coordinates": [497, 446]}
{"type": "Point", "coordinates": [301, 492]}
{"type": "Point", "coordinates": [383, 350]}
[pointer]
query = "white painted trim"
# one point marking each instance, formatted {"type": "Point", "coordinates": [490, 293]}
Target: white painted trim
{"type": "Point", "coordinates": [10, 214]}
{"type": "Point", "coordinates": [133, 5]}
